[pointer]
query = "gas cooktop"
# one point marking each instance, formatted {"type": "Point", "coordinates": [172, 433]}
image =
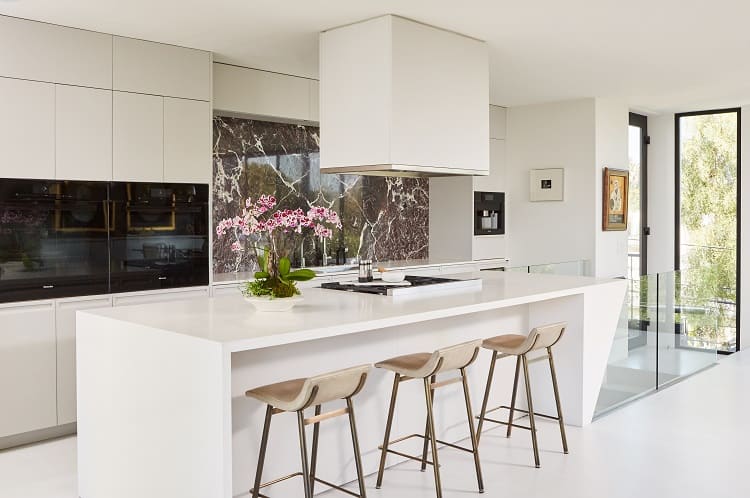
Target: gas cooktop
{"type": "Point", "coordinates": [416, 285]}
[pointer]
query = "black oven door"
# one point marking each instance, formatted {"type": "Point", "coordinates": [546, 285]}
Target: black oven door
{"type": "Point", "coordinates": [53, 239]}
{"type": "Point", "coordinates": [163, 240]}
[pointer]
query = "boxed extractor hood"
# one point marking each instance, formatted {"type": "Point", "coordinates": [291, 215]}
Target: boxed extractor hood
{"type": "Point", "coordinates": [401, 98]}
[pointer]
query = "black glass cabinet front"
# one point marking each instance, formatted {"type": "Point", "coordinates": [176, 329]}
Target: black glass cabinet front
{"type": "Point", "coordinates": [72, 238]}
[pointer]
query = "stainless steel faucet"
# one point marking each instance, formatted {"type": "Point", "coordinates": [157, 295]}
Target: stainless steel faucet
{"type": "Point", "coordinates": [325, 254]}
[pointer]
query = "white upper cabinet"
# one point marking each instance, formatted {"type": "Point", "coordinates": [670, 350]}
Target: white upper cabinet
{"type": "Point", "coordinates": [45, 52]}
{"type": "Point", "coordinates": [27, 129]}
{"type": "Point", "coordinates": [314, 100]}
{"type": "Point", "coordinates": [83, 133]}
{"type": "Point", "coordinates": [495, 181]}
{"type": "Point", "coordinates": [400, 95]}
{"type": "Point", "coordinates": [138, 137]}
{"type": "Point", "coordinates": [158, 69]}
{"type": "Point", "coordinates": [497, 122]}
{"type": "Point", "coordinates": [261, 93]}
{"type": "Point", "coordinates": [187, 141]}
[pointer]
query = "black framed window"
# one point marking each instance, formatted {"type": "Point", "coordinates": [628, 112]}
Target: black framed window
{"type": "Point", "coordinates": [707, 228]}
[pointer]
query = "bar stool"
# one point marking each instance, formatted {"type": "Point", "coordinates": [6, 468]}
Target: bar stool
{"type": "Point", "coordinates": [503, 346]}
{"type": "Point", "coordinates": [426, 366]}
{"type": "Point", "coordinates": [299, 394]}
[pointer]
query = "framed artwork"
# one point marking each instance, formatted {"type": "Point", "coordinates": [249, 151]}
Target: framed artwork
{"type": "Point", "coordinates": [615, 199]}
{"type": "Point", "coordinates": [546, 184]}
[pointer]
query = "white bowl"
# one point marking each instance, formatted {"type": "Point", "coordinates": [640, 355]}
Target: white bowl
{"type": "Point", "coordinates": [274, 303]}
{"type": "Point", "coordinates": [393, 277]}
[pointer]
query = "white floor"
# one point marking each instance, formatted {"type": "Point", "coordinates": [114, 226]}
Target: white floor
{"type": "Point", "coordinates": [688, 441]}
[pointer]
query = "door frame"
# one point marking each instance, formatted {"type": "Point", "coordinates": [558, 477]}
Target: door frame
{"type": "Point", "coordinates": [641, 121]}
{"type": "Point", "coordinates": [677, 199]}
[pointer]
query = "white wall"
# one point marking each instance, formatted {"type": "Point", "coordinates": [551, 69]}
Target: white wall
{"type": "Point", "coordinates": [581, 136]}
{"type": "Point", "coordinates": [611, 151]}
{"type": "Point", "coordinates": [556, 135]}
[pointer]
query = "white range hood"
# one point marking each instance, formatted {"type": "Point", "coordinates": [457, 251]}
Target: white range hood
{"type": "Point", "coordinates": [401, 98]}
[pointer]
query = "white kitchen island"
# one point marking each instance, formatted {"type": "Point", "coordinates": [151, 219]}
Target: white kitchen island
{"type": "Point", "coordinates": [161, 405]}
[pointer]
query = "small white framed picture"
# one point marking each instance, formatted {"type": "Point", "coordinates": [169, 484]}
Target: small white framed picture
{"type": "Point", "coordinates": [546, 184]}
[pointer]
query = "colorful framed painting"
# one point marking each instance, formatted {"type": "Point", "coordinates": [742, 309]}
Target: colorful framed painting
{"type": "Point", "coordinates": [615, 199]}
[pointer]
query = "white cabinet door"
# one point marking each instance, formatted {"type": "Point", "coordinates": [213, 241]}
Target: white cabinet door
{"type": "Point", "coordinates": [428, 271]}
{"type": "Point", "coordinates": [65, 326]}
{"type": "Point", "coordinates": [495, 181]}
{"type": "Point", "coordinates": [45, 52]}
{"type": "Point", "coordinates": [489, 247]}
{"type": "Point", "coordinates": [159, 69]}
{"type": "Point", "coordinates": [159, 296]}
{"type": "Point", "coordinates": [27, 129]}
{"type": "Point", "coordinates": [497, 122]}
{"type": "Point", "coordinates": [314, 100]}
{"type": "Point", "coordinates": [83, 133]}
{"type": "Point", "coordinates": [249, 91]}
{"type": "Point", "coordinates": [27, 367]}
{"type": "Point", "coordinates": [453, 269]}
{"type": "Point", "coordinates": [308, 284]}
{"type": "Point", "coordinates": [227, 290]}
{"type": "Point", "coordinates": [138, 137]}
{"type": "Point", "coordinates": [187, 141]}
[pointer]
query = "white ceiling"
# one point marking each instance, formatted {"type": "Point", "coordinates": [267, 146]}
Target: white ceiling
{"type": "Point", "coordinates": [661, 55]}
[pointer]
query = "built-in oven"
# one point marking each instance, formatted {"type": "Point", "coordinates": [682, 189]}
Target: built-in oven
{"type": "Point", "coordinates": [163, 239]}
{"type": "Point", "coordinates": [53, 239]}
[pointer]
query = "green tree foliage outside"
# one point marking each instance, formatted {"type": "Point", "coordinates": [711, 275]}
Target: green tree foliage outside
{"type": "Point", "coordinates": [708, 200]}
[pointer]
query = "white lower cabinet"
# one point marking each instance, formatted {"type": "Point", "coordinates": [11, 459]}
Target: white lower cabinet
{"type": "Point", "coordinates": [27, 367]}
{"type": "Point", "coordinates": [65, 326]}
{"type": "Point", "coordinates": [227, 290]}
{"type": "Point", "coordinates": [453, 269]}
{"type": "Point", "coordinates": [159, 296]}
{"type": "Point", "coordinates": [428, 271]}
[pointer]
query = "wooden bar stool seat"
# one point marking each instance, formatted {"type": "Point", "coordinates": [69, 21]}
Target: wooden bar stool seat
{"type": "Point", "coordinates": [520, 346]}
{"type": "Point", "coordinates": [426, 366]}
{"type": "Point", "coordinates": [299, 394]}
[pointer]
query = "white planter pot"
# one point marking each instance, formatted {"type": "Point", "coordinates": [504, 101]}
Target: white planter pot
{"type": "Point", "coordinates": [274, 303]}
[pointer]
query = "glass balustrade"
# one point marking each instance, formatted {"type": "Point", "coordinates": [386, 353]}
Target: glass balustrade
{"type": "Point", "coordinates": [670, 327]}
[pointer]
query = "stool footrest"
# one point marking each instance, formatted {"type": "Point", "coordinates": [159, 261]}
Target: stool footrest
{"type": "Point", "coordinates": [506, 423]}
{"type": "Point", "coordinates": [419, 458]}
{"type": "Point", "coordinates": [299, 474]}
{"type": "Point", "coordinates": [504, 407]}
{"type": "Point", "coordinates": [339, 488]}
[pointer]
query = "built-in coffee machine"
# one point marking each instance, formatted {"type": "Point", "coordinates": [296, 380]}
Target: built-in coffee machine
{"type": "Point", "coordinates": [489, 213]}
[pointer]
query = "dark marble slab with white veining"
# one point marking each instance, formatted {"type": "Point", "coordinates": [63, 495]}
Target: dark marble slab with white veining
{"type": "Point", "coordinates": [383, 218]}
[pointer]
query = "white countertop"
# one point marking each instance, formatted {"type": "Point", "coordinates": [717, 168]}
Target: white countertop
{"type": "Point", "coordinates": [235, 277]}
{"type": "Point", "coordinates": [233, 323]}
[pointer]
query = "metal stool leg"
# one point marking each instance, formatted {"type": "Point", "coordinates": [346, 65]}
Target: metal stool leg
{"type": "Point", "coordinates": [314, 460]}
{"type": "Point", "coordinates": [388, 425]}
{"type": "Point", "coordinates": [513, 397]}
{"type": "Point", "coordinates": [433, 440]}
{"type": "Point", "coordinates": [303, 453]}
{"type": "Point", "coordinates": [474, 443]}
{"type": "Point", "coordinates": [427, 431]}
{"type": "Point", "coordinates": [557, 401]}
{"type": "Point", "coordinates": [262, 453]}
{"type": "Point", "coordinates": [355, 444]}
{"type": "Point", "coordinates": [532, 425]}
{"type": "Point", "coordinates": [487, 389]}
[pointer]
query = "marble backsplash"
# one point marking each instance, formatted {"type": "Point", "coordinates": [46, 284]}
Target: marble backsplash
{"type": "Point", "coordinates": [383, 218]}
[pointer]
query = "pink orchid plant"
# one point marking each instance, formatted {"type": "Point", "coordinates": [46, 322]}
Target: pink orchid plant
{"type": "Point", "coordinates": [259, 221]}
